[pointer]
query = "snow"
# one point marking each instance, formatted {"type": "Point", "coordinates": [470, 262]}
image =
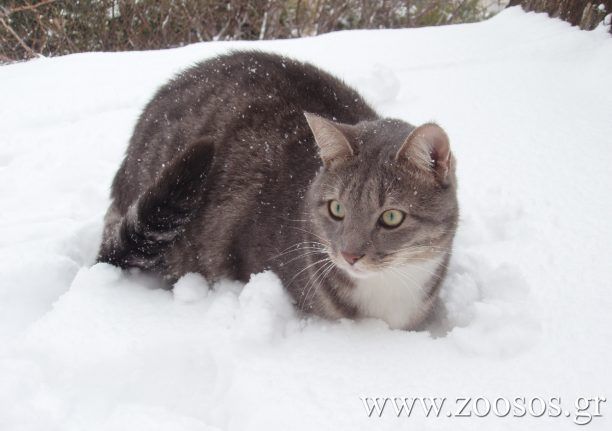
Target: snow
{"type": "Point", "coordinates": [191, 288]}
{"type": "Point", "coordinates": [527, 298]}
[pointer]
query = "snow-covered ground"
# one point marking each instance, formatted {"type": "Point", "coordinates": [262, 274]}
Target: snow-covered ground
{"type": "Point", "coordinates": [527, 103]}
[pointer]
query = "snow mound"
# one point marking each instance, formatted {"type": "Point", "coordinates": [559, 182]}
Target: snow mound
{"type": "Point", "coordinates": [265, 307]}
{"type": "Point", "coordinates": [190, 288]}
{"type": "Point", "coordinates": [379, 86]}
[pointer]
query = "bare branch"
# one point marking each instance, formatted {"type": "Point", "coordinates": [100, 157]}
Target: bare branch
{"type": "Point", "coordinates": [27, 7]}
{"type": "Point", "coordinates": [16, 36]}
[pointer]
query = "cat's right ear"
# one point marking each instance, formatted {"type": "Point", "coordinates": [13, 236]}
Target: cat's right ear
{"type": "Point", "coordinates": [329, 136]}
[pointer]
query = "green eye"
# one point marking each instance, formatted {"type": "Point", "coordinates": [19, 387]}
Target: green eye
{"type": "Point", "coordinates": [392, 218]}
{"type": "Point", "coordinates": [336, 209]}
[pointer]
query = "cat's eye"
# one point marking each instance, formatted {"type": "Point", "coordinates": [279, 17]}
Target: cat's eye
{"type": "Point", "coordinates": [391, 218]}
{"type": "Point", "coordinates": [336, 209]}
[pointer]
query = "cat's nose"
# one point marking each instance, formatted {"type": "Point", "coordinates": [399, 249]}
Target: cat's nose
{"type": "Point", "coordinates": [351, 258]}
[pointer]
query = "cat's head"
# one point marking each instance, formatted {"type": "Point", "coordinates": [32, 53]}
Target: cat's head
{"type": "Point", "coordinates": [385, 196]}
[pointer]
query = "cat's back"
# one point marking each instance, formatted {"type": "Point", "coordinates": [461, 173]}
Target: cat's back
{"type": "Point", "coordinates": [258, 82]}
{"type": "Point", "coordinates": [252, 90]}
{"type": "Point", "coordinates": [250, 104]}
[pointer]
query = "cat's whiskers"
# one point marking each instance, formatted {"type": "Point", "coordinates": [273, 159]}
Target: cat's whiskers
{"type": "Point", "coordinates": [426, 271]}
{"type": "Point", "coordinates": [330, 267]}
{"type": "Point", "coordinates": [304, 245]}
{"type": "Point", "coordinates": [411, 258]}
{"type": "Point", "coordinates": [308, 232]}
{"type": "Point", "coordinates": [403, 255]}
{"type": "Point", "coordinates": [427, 246]}
{"type": "Point", "coordinates": [417, 255]}
{"type": "Point", "coordinates": [308, 253]}
{"type": "Point", "coordinates": [410, 252]}
{"type": "Point", "coordinates": [415, 259]}
{"type": "Point", "coordinates": [299, 244]}
{"type": "Point", "coordinates": [325, 259]}
{"type": "Point", "coordinates": [312, 281]}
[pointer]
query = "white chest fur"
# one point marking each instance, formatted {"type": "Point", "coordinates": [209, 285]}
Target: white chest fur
{"type": "Point", "coordinates": [398, 296]}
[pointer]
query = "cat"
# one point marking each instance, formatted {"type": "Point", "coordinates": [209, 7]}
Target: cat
{"type": "Point", "coordinates": [252, 161]}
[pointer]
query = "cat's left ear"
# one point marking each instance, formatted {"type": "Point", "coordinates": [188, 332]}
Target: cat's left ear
{"type": "Point", "coordinates": [429, 148]}
{"type": "Point", "coordinates": [331, 138]}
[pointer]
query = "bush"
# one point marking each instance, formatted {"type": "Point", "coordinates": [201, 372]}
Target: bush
{"type": "Point", "coordinates": [57, 27]}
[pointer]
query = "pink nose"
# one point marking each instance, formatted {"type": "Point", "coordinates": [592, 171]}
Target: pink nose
{"type": "Point", "coordinates": [351, 258]}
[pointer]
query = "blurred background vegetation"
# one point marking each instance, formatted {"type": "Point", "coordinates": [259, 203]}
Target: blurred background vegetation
{"type": "Point", "coordinates": [56, 27]}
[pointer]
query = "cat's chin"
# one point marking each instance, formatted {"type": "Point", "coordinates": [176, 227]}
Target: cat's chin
{"type": "Point", "coordinates": [356, 272]}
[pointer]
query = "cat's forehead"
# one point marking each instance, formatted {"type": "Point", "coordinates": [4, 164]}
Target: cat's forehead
{"type": "Point", "coordinates": [369, 183]}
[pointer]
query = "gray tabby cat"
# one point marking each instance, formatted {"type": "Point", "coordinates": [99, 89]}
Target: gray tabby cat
{"type": "Point", "coordinates": [253, 161]}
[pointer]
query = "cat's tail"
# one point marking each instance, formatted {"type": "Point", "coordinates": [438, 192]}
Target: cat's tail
{"type": "Point", "coordinates": [140, 237]}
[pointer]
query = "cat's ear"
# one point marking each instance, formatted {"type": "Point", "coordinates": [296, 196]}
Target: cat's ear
{"type": "Point", "coordinates": [330, 137]}
{"type": "Point", "coordinates": [428, 147]}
